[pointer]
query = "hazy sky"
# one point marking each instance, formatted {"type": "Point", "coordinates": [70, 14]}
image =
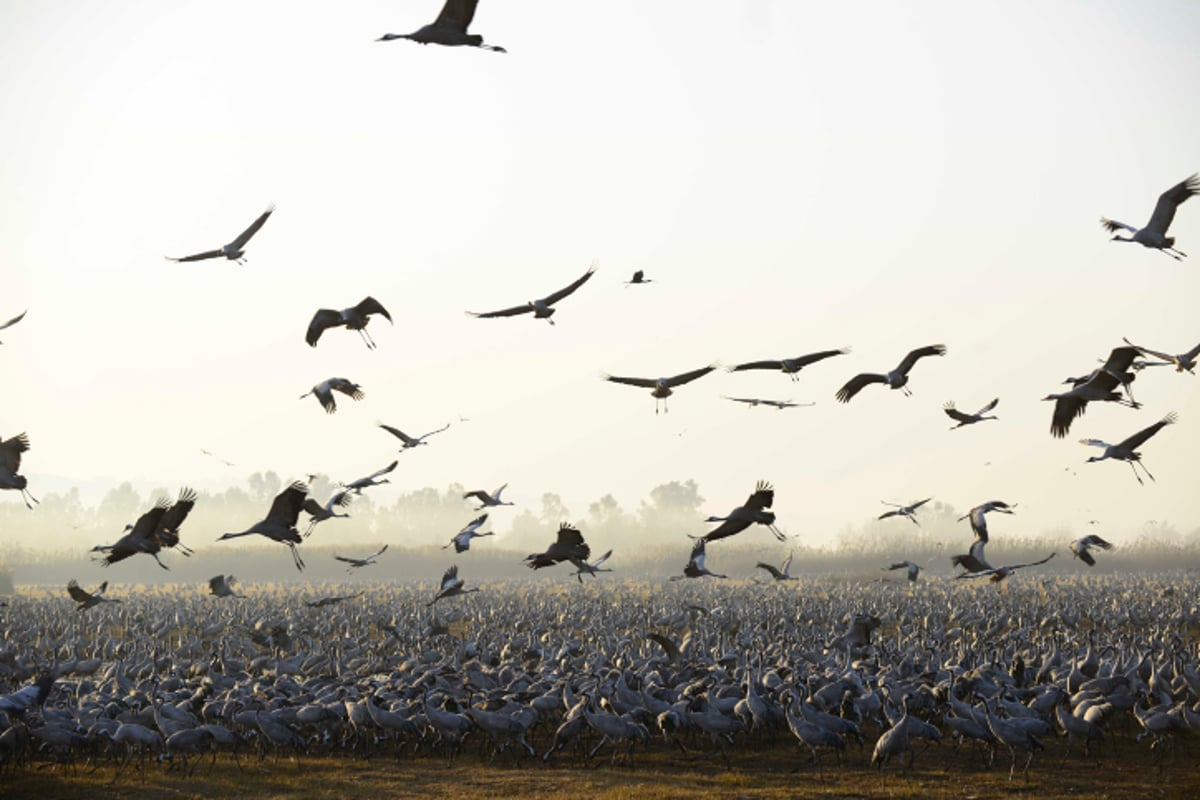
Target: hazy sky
{"type": "Point", "coordinates": [794, 176]}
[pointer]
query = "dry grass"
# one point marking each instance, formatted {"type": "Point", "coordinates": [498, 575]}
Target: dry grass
{"type": "Point", "coordinates": [1126, 770]}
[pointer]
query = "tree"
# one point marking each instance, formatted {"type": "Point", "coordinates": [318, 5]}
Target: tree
{"type": "Point", "coordinates": [674, 509]}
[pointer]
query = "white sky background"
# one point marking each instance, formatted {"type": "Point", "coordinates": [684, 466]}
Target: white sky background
{"type": "Point", "coordinates": [793, 176]}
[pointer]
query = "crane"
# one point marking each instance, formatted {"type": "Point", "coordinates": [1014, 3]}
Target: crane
{"type": "Point", "coordinates": [752, 402]}
{"type": "Point", "coordinates": [357, 563]}
{"type": "Point", "coordinates": [695, 567]}
{"type": "Point", "coordinates": [583, 567]}
{"type": "Point", "coordinates": [235, 250]}
{"type": "Point", "coordinates": [753, 511]}
{"type": "Point", "coordinates": [541, 309]}
{"type": "Point", "coordinates": [568, 545]}
{"type": "Point", "coordinates": [87, 599]}
{"type": "Point", "coordinates": [319, 513]}
{"type": "Point", "coordinates": [222, 586]}
{"type": "Point", "coordinates": [1099, 386]}
{"type": "Point", "coordinates": [450, 28]}
{"type": "Point", "coordinates": [998, 574]}
{"type": "Point", "coordinates": [1125, 450]}
{"type": "Point", "coordinates": [410, 442]}
{"type": "Point", "coordinates": [374, 479]}
{"type": "Point", "coordinates": [462, 539]}
{"type": "Point", "coordinates": [914, 570]}
{"type": "Point", "coordinates": [660, 388]}
{"type": "Point", "coordinates": [13, 321]}
{"type": "Point", "coordinates": [1184, 362]}
{"type": "Point", "coordinates": [325, 389]}
{"type": "Point", "coordinates": [488, 500]}
{"type": "Point", "coordinates": [1081, 546]}
{"type": "Point", "coordinates": [280, 523]}
{"type": "Point", "coordinates": [974, 561]}
{"type": "Point", "coordinates": [896, 379]}
{"type": "Point", "coordinates": [450, 586]}
{"type": "Point", "coordinates": [10, 464]}
{"type": "Point", "coordinates": [968, 419]}
{"type": "Point", "coordinates": [354, 318]}
{"type": "Point", "coordinates": [909, 511]}
{"type": "Point", "coordinates": [1154, 233]}
{"type": "Point", "coordinates": [790, 366]}
{"type": "Point", "coordinates": [639, 277]}
{"type": "Point", "coordinates": [153, 530]}
{"type": "Point", "coordinates": [783, 573]}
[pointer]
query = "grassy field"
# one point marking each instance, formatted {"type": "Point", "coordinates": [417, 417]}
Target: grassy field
{"type": "Point", "coordinates": [1126, 770]}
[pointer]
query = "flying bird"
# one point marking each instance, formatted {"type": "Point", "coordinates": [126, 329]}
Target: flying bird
{"type": "Point", "coordinates": [783, 573]}
{"type": "Point", "coordinates": [968, 419]}
{"type": "Point", "coordinates": [210, 454]}
{"type": "Point", "coordinates": [280, 523]}
{"type": "Point", "coordinates": [356, 563]}
{"type": "Point", "coordinates": [374, 479]}
{"type": "Point", "coordinates": [1184, 362]}
{"type": "Point", "coordinates": [451, 585]}
{"type": "Point", "coordinates": [319, 513]}
{"type": "Point", "coordinates": [462, 539]}
{"type": "Point", "coordinates": [153, 530]}
{"type": "Point", "coordinates": [998, 574]}
{"type": "Point", "coordinates": [752, 402]}
{"type": "Point", "coordinates": [639, 277]}
{"type": "Point", "coordinates": [754, 510]}
{"type": "Point", "coordinates": [325, 389]}
{"type": "Point", "coordinates": [567, 546]}
{"type": "Point", "coordinates": [329, 601]}
{"type": "Point", "coordinates": [1126, 450]}
{"type": "Point", "coordinates": [354, 318]}
{"type": "Point", "coordinates": [1154, 234]}
{"type": "Point", "coordinates": [695, 566]}
{"type": "Point", "coordinates": [488, 500]}
{"type": "Point", "coordinates": [913, 569]}
{"type": "Point", "coordinates": [13, 321]}
{"type": "Point", "coordinates": [234, 251]}
{"type": "Point", "coordinates": [411, 441]}
{"type": "Point", "coordinates": [790, 366]}
{"type": "Point", "coordinates": [10, 465]}
{"type": "Point", "coordinates": [88, 600]}
{"type": "Point", "coordinates": [1080, 548]}
{"type": "Point", "coordinates": [583, 567]}
{"type": "Point", "coordinates": [660, 388]}
{"type": "Point", "coordinates": [978, 516]}
{"type": "Point", "coordinates": [450, 28]}
{"type": "Point", "coordinates": [909, 510]}
{"type": "Point", "coordinates": [1099, 386]}
{"type": "Point", "coordinates": [541, 309]}
{"type": "Point", "coordinates": [896, 379]}
{"type": "Point", "coordinates": [222, 586]}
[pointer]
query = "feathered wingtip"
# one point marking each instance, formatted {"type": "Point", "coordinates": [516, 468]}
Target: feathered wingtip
{"type": "Point", "coordinates": [764, 486]}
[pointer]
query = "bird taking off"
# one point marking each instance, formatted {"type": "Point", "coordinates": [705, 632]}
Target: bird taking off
{"type": "Point", "coordinates": [783, 573]}
{"type": "Point", "coordinates": [567, 546]}
{"type": "Point", "coordinates": [790, 366]}
{"type": "Point", "coordinates": [695, 567]}
{"type": "Point", "coordinates": [222, 586]}
{"type": "Point", "coordinates": [10, 465]}
{"type": "Point", "coordinates": [1154, 234]}
{"type": "Point", "coordinates": [913, 569]}
{"type": "Point", "coordinates": [998, 574]}
{"type": "Point", "coordinates": [896, 379]}
{"type": "Point", "coordinates": [318, 513]}
{"type": "Point", "coordinates": [660, 388]}
{"type": "Point", "coordinates": [1080, 548]}
{"type": "Point", "coordinates": [754, 510]}
{"type": "Point", "coordinates": [153, 530]}
{"type": "Point", "coordinates": [968, 419]}
{"type": "Point", "coordinates": [235, 250]}
{"type": "Point", "coordinates": [1184, 362]}
{"type": "Point", "coordinates": [325, 389]}
{"type": "Point", "coordinates": [451, 585]}
{"type": "Point", "coordinates": [411, 441]}
{"type": "Point", "coordinates": [978, 516]}
{"type": "Point", "coordinates": [541, 309]}
{"type": "Point", "coordinates": [358, 563]}
{"type": "Point", "coordinates": [450, 28]}
{"type": "Point", "coordinates": [583, 567]}
{"type": "Point", "coordinates": [280, 523]}
{"type": "Point", "coordinates": [1125, 450]}
{"type": "Point", "coordinates": [354, 318]}
{"type": "Point", "coordinates": [1099, 386]}
{"type": "Point", "coordinates": [12, 321]}
{"type": "Point", "coordinates": [85, 599]}
{"type": "Point", "coordinates": [909, 510]}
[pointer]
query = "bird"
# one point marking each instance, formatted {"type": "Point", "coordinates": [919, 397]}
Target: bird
{"type": "Point", "coordinates": [222, 586]}
{"type": "Point", "coordinates": [329, 601]}
{"type": "Point", "coordinates": [541, 309]}
{"type": "Point", "coordinates": [88, 600]}
{"type": "Point", "coordinates": [450, 28]}
{"type": "Point", "coordinates": [782, 573]}
{"type": "Point", "coordinates": [374, 479]}
{"type": "Point", "coordinates": [488, 500]}
{"type": "Point", "coordinates": [695, 566]}
{"type": "Point", "coordinates": [32, 696]}
{"type": "Point", "coordinates": [639, 277]}
{"type": "Point", "coordinates": [462, 539]}
{"type": "Point", "coordinates": [754, 510]}
{"type": "Point", "coordinates": [13, 321]}
{"type": "Point", "coordinates": [896, 379]}
{"type": "Point", "coordinates": [904, 511]}
{"type": "Point", "coordinates": [411, 441]}
{"type": "Point", "coordinates": [10, 465]}
{"type": "Point", "coordinates": [1154, 233]}
{"type": "Point", "coordinates": [1184, 362]}
{"type": "Point", "coordinates": [1099, 386]}
{"type": "Point", "coordinates": [354, 318]}
{"type": "Point", "coordinates": [319, 513]}
{"type": "Point", "coordinates": [1000, 573]}
{"type": "Point", "coordinates": [752, 402]}
{"type": "Point", "coordinates": [1124, 450]}
{"type": "Point", "coordinates": [153, 530]}
{"type": "Point", "coordinates": [660, 388]}
{"type": "Point", "coordinates": [568, 545]}
{"type": "Point", "coordinates": [583, 567]}
{"type": "Point", "coordinates": [356, 563]}
{"type": "Point", "coordinates": [234, 251]}
{"type": "Point", "coordinates": [451, 585]}
{"type": "Point", "coordinates": [790, 366]}
{"type": "Point", "coordinates": [211, 454]}
{"type": "Point", "coordinates": [1080, 548]}
{"type": "Point", "coordinates": [280, 523]}
{"type": "Point", "coordinates": [913, 569]}
{"type": "Point", "coordinates": [978, 518]}
{"type": "Point", "coordinates": [968, 419]}
{"type": "Point", "coordinates": [325, 389]}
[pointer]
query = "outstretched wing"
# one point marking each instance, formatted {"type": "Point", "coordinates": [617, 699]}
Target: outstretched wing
{"type": "Point", "coordinates": [553, 298]}
{"type": "Point", "coordinates": [856, 384]}
{"type": "Point", "coordinates": [399, 434]}
{"type": "Point", "coordinates": [1118, 362]}
{"type": "Point", "coordinates": [671, 649]}
{"type": "Point", "coordinates": [956, 415]}
{"type": "Point", "coordinates": [369, 305]}
{"type": "Point", "coordinates": [1168, 201]}
{"type": "Point", "coordinates": [450, 577]}
{"type": "Point", "coordinates": [1139, 438]}
{"type": "Point", "coordinates": [245, 235]}
{"type": "Point", "coordinates": [812, 358]}
{"type": "Point", "coordinates": [1066, 409]}
{"type": "Point", "coordinates": [688, 377]}
{"type": "Point", "coordinates": [377, 553]}
{"type": "Point", "coordinates": [324, 318]}
{"type": "Point", "coordinates": [286, 506]}
{"type": "Point", "coordinates": [995, 402]}
{"type": "Point", "coordinates": [1112, 226]}
{"type": "Point", "coordinates": [756, 365]}
{"type": "Point", "coordinates": [348, 560]}
{"type": "Point", "coordinates": [457, 14]}
{"type": "Point", "coordinates": [78, 594]}
{"type": "Point", "coordinates": [1092, 540]}
{"type": "Point", "coordinates": [346, 387]}
{"type": "Point", "coordinates": [14, 320]}
{"type": "Point", "coordinates": [776, 574]}
{"type": "Point", "coordinates": [504, 312]}
{"type": "Point", "coordinates": [174, 516]}
{"type": "Point", "coordinates": [1146, 351]}
{"type": "Point", "coordinates": [647, 383]}
{"type": "Point", "coordinates": [1011, 567]}
{"type": "Point", "coordinates": [919, 353]}
{"type": "Point", "coordinates": [763, 497]}
{"type": "Point", "coordinates": [198, 256]}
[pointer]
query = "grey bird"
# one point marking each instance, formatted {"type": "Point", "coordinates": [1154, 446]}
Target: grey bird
{"type": "Point", "coordinates": [790, 366]}
{"type": "Point", "coordinates": [354, 318]}
{"type": "Point", "coordinates": [1099, 386]}
{"type": "Point", "coordinates": [1126, 450]}
{"type": "Point", "coordinates": [896, 379]}
{"type": "Point", "coordinates": [660, 388]}
{"type": "Point", "coordinates": [325, 389]}
{"type": "Point", "coordinates": [1184, 362]}
{"type": "Point", "coordinates": [358, 563]}
{"type": "Point", "coordinates": [235, 250]}
{"type": "Point", "coordinates": [963, 418]}
{"type": "Point", "coordinates": [1081, 546]}
{"type": "Point", "coordinates": [13, 321]}
{"type": "Point", "coordinates": [541, 309]}
{"type": "Point", "coordinates": [1154, 233]}
{"type": "Point", "coordinates": [280, 523]}
{"type": "Point", "coordinates": [10, 464]}
{"type": "Point", "coordinates": [450, 28]}
{"type": "Point", "coordinates": [410, 442]}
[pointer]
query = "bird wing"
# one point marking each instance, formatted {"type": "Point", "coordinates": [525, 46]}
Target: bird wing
{"type": "Point", "coordinates": [215, 583]}
{"type": "Point", "coordinates": [812, 358]}
{"type": "Point", "coordinates": [569, 537]}
{"type": "Point", "coordinates": [1119, 361]}
{"type": "Point", "coordinates": [748, 400]}
{"type": "Point", "coordinates": [78, 594]}
{"type": "Point", "coordinates": [496, 494]}
{"type": "Point", "coordinates": [10, 452]}
{"type": "Point", "coordinates": [348, 560]}
{"type": "Point", "coordinates": [1085, 556]}
{"type": "Point", "coordinates": [431, 433]}
{"type": "Point", "coordinates": [312, 507]}
{"type": "Point", "coordinates": [325, 397]}
{"type": "Point", "coordinates": [1066, 409]}
{"type": "Point", "coordinates": [1190, 354]}
{"type": "Point", "coordinates": [1146, 351]}
{"type": "Point", "coordinates": [147, 523]}
{"type": "Point", "coordinates": [956, 415]}
{"type": "Point", "coordinates": [1011, 567]}
{"type": "Point", "coordinates": [647, 383]}
{"type": "Point", "coordinates": [1112, 226]}
{"type": "Point", "coordinates": [340, 499]}
{"type": "Point", "coordinates": [383, 471]}
{"type": "Point", "coordinates": [887, 514]}
{"type": "Point", "coordinates": [479, 495]}
{"type": "Point", "coordinates": [286, 506]}
{"type": "Point", "coordinates": [346, 387]}
{"type": "Point", "coordinates": [245, 235]}
{"type": "Point", "coordinates": [450, 577]}
{"type": "Point", "coordinates": [762, 497]}
{"type": "Point", "coordinates": [476, 523]}
{"type": "Point", "coordinates": [504, 312]}
{"type": "Point", "coordinates": [1094, 443]}
{"type": "Point", "coordinates": [1168, 201]}
{"type": "Point", "coordinates": [1133, 442]}
{"type": "Point", "coordinates": [688, 377]}
{"type": "Point", "coordinates": [919, 503]}
{"type": "Point", "coordinates": [174, 516]}
{"type": "Point", "coordinates": [787, 563]}
{"type": "Point", "coordinates": [757, 365]}
{"type": "Point", "coordinates": [198, 256]}
{"type": "Point", "coordinates": [14, 320]}
{"type": "Point", "coordinates": [671, 649]}
{"type": "Point", "coordinates": [920, 352]}
{"type": "Point", "coordinates": [456, 14]}
{"type": "Point", "coordinates": [369, 305]}
{"type": "Point", "coordinates": [399, 434]}
{"type": "Point", "coordinates": [776, 574]}
{"type": "Point", "coordinates": [324, 318]}
{"type": "Point", "coordinates": [995, 402]}
{"type": "Point", "coordinates": [697, 556]}
{"type": "Point", "coordinates": [730, 527]}
{"type": "Point", "coordinates": [377, 553]}
{"type": "Point", "coordinates": [855, 385]}
{"type": "Point", "coordinates": [601, 560]}
{"type": "Point", "coordinates": [1092, 540]}
{"type": "Point", "coordinates": [554, 297]}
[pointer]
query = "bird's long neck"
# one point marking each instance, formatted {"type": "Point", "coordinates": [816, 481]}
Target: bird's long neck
{"type": "Point", "coordinates": [234, 535]}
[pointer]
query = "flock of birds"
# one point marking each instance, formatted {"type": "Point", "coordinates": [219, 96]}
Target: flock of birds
{"type": "Point", "coordinates": [508, 692]}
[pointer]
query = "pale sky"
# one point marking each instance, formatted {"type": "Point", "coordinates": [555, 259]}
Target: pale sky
{"type": "Point", "coordinates": [793, 176]}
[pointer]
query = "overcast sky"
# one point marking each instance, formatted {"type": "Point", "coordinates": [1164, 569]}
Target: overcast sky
{"type": "Point", "coordinates": [793, 176]}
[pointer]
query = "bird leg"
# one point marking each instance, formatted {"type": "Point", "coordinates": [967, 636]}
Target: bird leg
{"type": "Point", "coordinates": [160, 563]}
{"type": "Point", "coordinates": [1135, 473]}
{"type": "Point", "coordinates": [362, 334]}
{"type": "Point", "coordinates": [26, 496]}
{"type": "Point", "coordinates": [780, 535]}
{"type": "Point", "coordinates": [296, 559]}
{"type": "Point", "coordinates": [1131, 463]}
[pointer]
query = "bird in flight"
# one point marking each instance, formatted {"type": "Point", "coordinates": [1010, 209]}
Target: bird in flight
{"type": "Point", "coordinates": [280, 523]}
{"type": "Point", "coordinates": [486, 499]}
{"type": "Point", "coordinates": [754, 510]}
{"type": "Point", "coordinates": [913, 569]}
{"type": "Point", "coordinates": [329, 601]}
{"type": "Point", "coordinates": [896, 379]}
{"type": "Point", "coordinates": [790, 366]}
{"type": "Point", "coordinates": [411, 441]}
{"type": "Point", "coordinates": [568, 545]}
{"type": "Point", "coordinates": [13, 321]}
{"type": "Point", "coordinates": [451, 585]}
{"type": "Point", "coordinates": [974, 560]}
{"type": "Point", "coordinates": [462, 539]}
{"type": "Point", "coordinates": [1080, 548]}
{"type": "Point", "coordinates": [87, 599]}
{"type": "Point", "coordinates": [998, 574]}
{"type": "Point", "coordinates": [222, 586]}
{"type": "Point", "coordinates": [235, 250]}
{"type": "Point", "coordinates": [695, 567]}
{"type": "Point", "coordinates": [354, 318]}
{"type": "Point", "coordinates": [210, 454]}
{"type": "Point", "coordinates": [583, 567]}
{"type": "Point", "coordinates": [541, 309]}
{"type": "Point", "coordinates": [968, 419]}
{"type": "Point", "coordinates": [661, 388]}
{"type": "Point", "coordinates": [752, 402]}
{"type": "Point", "coordinates": [783, 573]}
{"type": "Point", "coordinates": [325, 389]}
{"type": "Point", "coordinates": [319, 513]}
{"type": "Point", "coordinates": [1154, 234]}
{"type": "Point", "coordinates": [356, 563]}
{"type": "Point", "coordinates": [639, 277]}
{"type": "Point", "coordinates": [1125, 450]}
{"type": "Point", "coordinates": [374, 479]}
{"type": "Point", "coordinates": [1184, 362]}
{"type": "Point", "coordinates": [153, 530]}
{"type": "Point", "coordinates": [450, 28]}
{"type": "Point", "coordinates": [1099, 386]}
{"type": "Point", "coordinates": [10, 465]}
{"type": "Point", "coordinates": [909, 510]}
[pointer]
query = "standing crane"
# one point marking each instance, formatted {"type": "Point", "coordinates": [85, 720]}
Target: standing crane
{"type": "Point", "coordinates": [358, 563]}
{"type": "Point", "coordinates": [1099, 386]}
{"type": "Point", "coordinates": [10, 465]}
{"type": "Point", "coordinates": [968, 419]}
{"type": "Point", "coordinates": [541, 309]}
{"type": "Point", "coordinates": [354, 318]}
{"type": "Point", "coordinates": [450, 28]}
{"type": "Point", "coordinates": [790, 366]}
{"type": "Point", "coordinates": [235, 250]}
{"type": "Point", "coordinates": [13, 321]}
{"type": "Point", "coordinates": [1125, 450]}
{"type": "Point", "coordinates": [1184, 362]}
{"type": "Point", "coordinates": [909, 511]}
{"type": "Point", "coordinates": [280, 523]}
{"type": "Point", "coordinates": [896, 379]}
{"type": "Point", "coordinates": [1154, 233]}
{"type": "Point", "coordinates": [325, 389]}
{"type": "Point", "coordinates": [410, 442]}
{"type": "Point", "coordinates": [754, 510]}
{"type": "Point", "coordinates": [660, 388]}
{"type": "Point", "coordinates": [1081, 546]}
